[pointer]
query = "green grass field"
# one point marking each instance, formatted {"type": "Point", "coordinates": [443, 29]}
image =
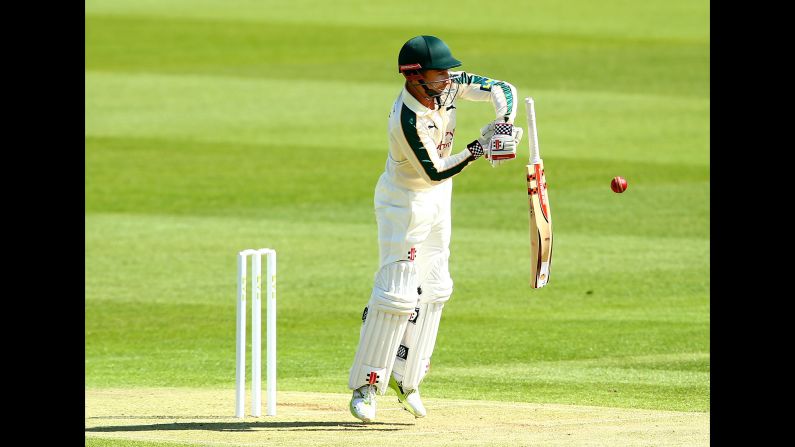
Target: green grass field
{"type": "Point", "coordinates": [216, 126]}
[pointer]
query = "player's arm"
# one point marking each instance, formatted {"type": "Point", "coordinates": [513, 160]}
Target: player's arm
{"type": "Point", "coordinates": [420, 149]}
{"type": "Point", "coordinates": [502, 94]}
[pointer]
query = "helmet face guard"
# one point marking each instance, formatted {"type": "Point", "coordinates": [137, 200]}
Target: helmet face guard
{"type": "Point", "coordinates": [441, 91]}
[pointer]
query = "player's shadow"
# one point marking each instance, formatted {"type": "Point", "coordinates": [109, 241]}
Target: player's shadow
{"type": "Point", "coordinates": [249, 426]}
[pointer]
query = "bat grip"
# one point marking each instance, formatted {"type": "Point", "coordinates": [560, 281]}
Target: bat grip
{"type": "Point", "coordinates": [532, 138]}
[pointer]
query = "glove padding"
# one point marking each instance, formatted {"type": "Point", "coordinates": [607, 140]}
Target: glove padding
{"type": "Point", "coordinates": [500, 140]}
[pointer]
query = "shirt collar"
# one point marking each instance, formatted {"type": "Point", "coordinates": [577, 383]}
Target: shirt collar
{"type": "Point", "coordinates": [412, 103]}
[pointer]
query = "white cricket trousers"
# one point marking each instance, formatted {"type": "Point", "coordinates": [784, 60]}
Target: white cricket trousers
{"type": "Point", "coordinates": [414, 225]}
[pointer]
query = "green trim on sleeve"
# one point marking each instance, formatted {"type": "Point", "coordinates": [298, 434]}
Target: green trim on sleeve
{"type": "Point", "coordinates": [508, 96]}
{"type": "Point", "coordinates": [486, 84]}
{"type": "Point", "coordinates": [408, 122]}
{"type": "Point", "coordinates": [461, 78]}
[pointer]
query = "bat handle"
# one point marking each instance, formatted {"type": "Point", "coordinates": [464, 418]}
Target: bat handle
{"type": "Point", "coordinates": [532, 138]}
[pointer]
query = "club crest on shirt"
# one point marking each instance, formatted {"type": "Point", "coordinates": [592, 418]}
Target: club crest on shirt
{"type": "Point", "coordinates": [447, 141]}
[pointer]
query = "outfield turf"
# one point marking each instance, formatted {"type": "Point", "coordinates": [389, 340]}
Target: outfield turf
{"type": "Point", "coordinates": [217, 126]}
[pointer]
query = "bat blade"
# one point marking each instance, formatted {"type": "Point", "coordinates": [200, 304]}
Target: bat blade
{"type": "Point", "coordinates": [540, 226]}
{"type": "Point", "coordinates": [540, 211]}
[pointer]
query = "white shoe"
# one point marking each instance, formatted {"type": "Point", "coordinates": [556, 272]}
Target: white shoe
{"type": "Point", "coordinates": [363, 403]}
{"type": "Point", "coordinates": [410, 399]}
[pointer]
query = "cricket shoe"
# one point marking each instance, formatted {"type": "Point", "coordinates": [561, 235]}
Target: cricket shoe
{"type": "Point", "coordinates": [410, 399]}
{"type": "Point", "coordinates": [363, 403]}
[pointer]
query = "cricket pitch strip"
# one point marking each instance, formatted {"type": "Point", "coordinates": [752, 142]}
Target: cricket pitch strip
{"type": "Point", "coordinates": [200, 417]}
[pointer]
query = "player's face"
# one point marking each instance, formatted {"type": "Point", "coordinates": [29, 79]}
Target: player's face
{"type": "Point", "coordinates": [437, 80]}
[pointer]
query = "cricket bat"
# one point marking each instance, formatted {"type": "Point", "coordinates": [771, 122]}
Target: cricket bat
{"type": "Point", "coordinates": [540, 216]}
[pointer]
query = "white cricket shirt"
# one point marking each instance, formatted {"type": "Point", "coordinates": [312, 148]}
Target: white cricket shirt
{"type": "Point", "coordinates": [421, 139]}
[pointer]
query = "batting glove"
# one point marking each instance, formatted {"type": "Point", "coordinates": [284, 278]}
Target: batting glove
{"type": "Point", "coordinates": [503, 139]}
{"type": "Point", "coordinates": [517, 138]}
{"type": "Point", "coordinates": [478, 147]}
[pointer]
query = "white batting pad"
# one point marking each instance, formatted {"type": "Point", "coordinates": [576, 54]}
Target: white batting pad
{"type": "Point", "coordinates": [414, 353]}
{"type": "Point", "coordinates": [392, 302]}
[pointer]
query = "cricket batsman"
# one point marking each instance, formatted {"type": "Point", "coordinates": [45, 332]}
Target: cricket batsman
{"type": "Point", "coordinates": [412, 206]}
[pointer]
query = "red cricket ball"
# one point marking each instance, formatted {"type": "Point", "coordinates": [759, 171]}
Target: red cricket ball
{"type": "Point", "coordinates": [619, 184]}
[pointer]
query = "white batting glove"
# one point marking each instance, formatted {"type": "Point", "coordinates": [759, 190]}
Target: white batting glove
{"type": "Point", "coordinates": [497, 152]}
{"type": "Point", "coordinates": [503, 141]}
{"type": "Point", "coordinates": [517, 135]}
{"type": "Point", "coordinates": [485, 135]}
{"type": "Point", "coordinates": [517, 138]}
{"type": "Point", "coordinates": [478, 146]}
